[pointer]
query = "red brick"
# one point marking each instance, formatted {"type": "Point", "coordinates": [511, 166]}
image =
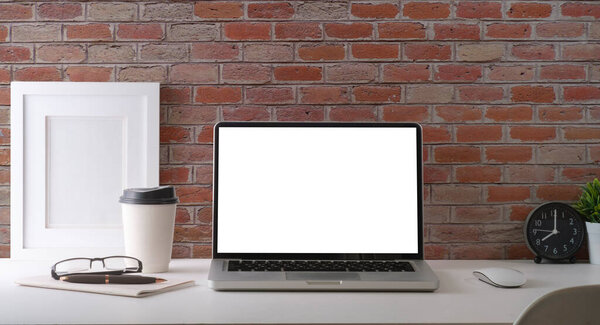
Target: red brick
{"type": "Point", "coordinates": [581, 52]}
{"type": "Point", "coordinates": [478, 133]}
{"type": "Point", "coordinates": [4, 152]}
{"type": "Point", "coordinates": [16, 11]}
{"type": "Point", "coordinates": [3, 33]}
{"type": "Point", "coordinates": [326, 52]}
{"type": "Point", "coordinates": [534, 52]}
{"type": "Point", "coordinates": [572, 9]}
{"type": "Point", "coordinates": [175, 95]}
{"type": "Point", "coordinates": [194, 73]}
{"type": "Point", "coordinates": [458, 113]}
{"type": "Point", "coordinates": [436, 174]}
{"type": "Point", "coordinates": [581, 93]}
{"type": "Point", "coordinates": [191, 153]}
{"type": "Point", "coordinates": [558, 192]}
{"type": "Point", "coordinates": [213, 95]}
{"type": "Point", "coordinates": [375, 51]}
{"type": "Point", "coordinates": [511, 73]}
{"type": "Point", "coordinates": [519, 212]}
{"type": "Point", "coordinates": [519, 113]}
{"type": "Point", "coordinates": [14, 53]}
{"type": "Point", "coordinates": [352, 72]}
{"type": "Point", "coordinates": [180, 251]}
{"type": "Point", "coordinates": [37, 74]}
{"type": "Point", "coordinates": [562, 72]}
{"type": "Point", "coordinates": [246, 113]}
{"type": "Point", "coordinates": [369, 10]}
{"type": "Point", "coordinates": [436, 252]}
{"type": "Point", "coordinates": [61, 53]}
{"type": "Point", "coordinates": [300, 113]}
{"type": "Point", "coordinates": [204, 174]}
{"type": "Point", "coordinates": [477, 214]}
{"type": "Point", "coordinates": [426, 10]}
{"type": "Point", "coordinates": [192, 114]}
{"type": "Point", "coordinates": [298, 73]}
{"type": "Point", "coordinates": [436, 134]}
{"type": "Point", "coordinates": [456, 194]}
{"type": "Point", "coordinates": [202, 251]}
{"type": "Point", "coordinates": [560, 113]}
{"type": "Point", "coordinates": [140, 32]}
{"type": "Point", "coordinates": [477, 10]}
{"type": "Point", "coordinates": [352, 113]}
{"type": "Point", "coordinates": [508, 154]}
{"type": "Point", "coordinates": [192, 233]}
{"type": "Point", "coordinates": [349, 31]}
{"type": "Point", "coordinates": [530, 174]}
{"type": "Point", "coordinates": [175, 134]}
{"type": "Point", "coordinates": [214, 9]}
{"type": "Point", "coordinates": [270, 10]}
{"type": "Point", "coordinates": [87, 73]}
{"type": "Point", "coordinates": [456, 72]}
{"type": "Point", "coordinates": [396, 30]}
{"type": "Point", "coordinates": [504, 193]}
{"type": "Point", "coordinates": [298, 31]}
{"type": "Point", "coordinates": [4, 100]}
{"type": "Point", "coordinates": [377, 94]}
{"type": "Point", "coordinates": [4, 140]}
{"type": "Point", "coordinates": [215, 52]}
{"type": "Point", "coordinates": [4, 75]}
{"type": "Point", "coordinates": [245, 73]}
{"type": "Point", "coordinates": [478, 174]}
{"type": "Point", "coordinates": [60, 11]}
{"type": "Point", "coordinates": [532, 133]}
{"type": "Point", "coordinates": [456, 31]}
{"type": "Point", "coordinates": [189, 194]}
{"type": "Point", "coordinates": [405, 113]}
{"type": "Point", "coordinates": [248, 31]}
{"type": "Point", "coordinates": [205, 134]}
{"type": "Point", "coordinates": [457, 154]}
{"type": "Point", "coordinates": [406, 72]}
{"type": "Point", "coordinates": [580, 174]}
{"type": "Point", "coordinates": [480, 93]}
{"type": "Point", "coordinates": [529, 10]}
{"type": "Point", "coordinates": [477, 252]}
{"type": "Point", "coordinates": [560, 30]}
{"type": "Point", "coordinates": [508, 31]}
{"type": "Point", "coordinates": [536, 94]}
{"type": "Point", "coordinates": [270, 95]}
{"type": "Point", "coordinates": [420, 51]}
{"type": "Point", "coordinates": [93, 32]}
{"type": "Point", "coordinates": [582, 133]}
{"type": "Point", "coordinates": [324, 95]}
{"type": "Point", "coordinates": [176, 175]}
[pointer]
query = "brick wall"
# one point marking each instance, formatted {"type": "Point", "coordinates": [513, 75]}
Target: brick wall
{"type": "Point", "coordinates": [508, 92]}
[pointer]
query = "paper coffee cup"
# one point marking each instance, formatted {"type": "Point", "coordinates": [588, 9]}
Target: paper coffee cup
{"type": "Point", "coordinates": [148, 225]}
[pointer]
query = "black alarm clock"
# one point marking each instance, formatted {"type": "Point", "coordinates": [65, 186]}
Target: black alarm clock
{"type": "Point", "coordinates": [554, 232]}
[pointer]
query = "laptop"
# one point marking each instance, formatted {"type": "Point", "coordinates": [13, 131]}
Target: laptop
{"type": "Point", "coordinates": [318, 206]}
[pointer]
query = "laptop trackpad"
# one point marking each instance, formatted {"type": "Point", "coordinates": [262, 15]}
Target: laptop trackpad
{"type": "Point", "coordinates": [328, 276]}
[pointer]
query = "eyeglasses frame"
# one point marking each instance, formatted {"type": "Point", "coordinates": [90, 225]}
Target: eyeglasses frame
{"type": "Point", "coordinates": [95, 259]}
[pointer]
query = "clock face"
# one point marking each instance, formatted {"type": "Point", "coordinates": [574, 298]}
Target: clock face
{"type": "Point", "coordinates": [554, 231]}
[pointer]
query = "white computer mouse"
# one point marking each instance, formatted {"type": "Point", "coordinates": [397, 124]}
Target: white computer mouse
{"type": "Point", "coordinates": [501, 277]}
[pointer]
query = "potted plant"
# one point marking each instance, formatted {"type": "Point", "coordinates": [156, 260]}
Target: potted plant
{"type": "Point", "coordinates": [589, 207]}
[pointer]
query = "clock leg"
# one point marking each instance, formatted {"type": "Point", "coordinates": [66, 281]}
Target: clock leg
{"type": "Point", "coordinates": [537, 260]}
{"type": "Point", "coordinates": [572, 259]}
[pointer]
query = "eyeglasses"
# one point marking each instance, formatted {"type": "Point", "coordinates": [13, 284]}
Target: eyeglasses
{"type": "Point", "coordinates": [97, 265]}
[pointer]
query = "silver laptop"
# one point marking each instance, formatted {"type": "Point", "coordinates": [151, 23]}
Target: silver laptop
{"type": "Point", "coordinates": [318, 206]}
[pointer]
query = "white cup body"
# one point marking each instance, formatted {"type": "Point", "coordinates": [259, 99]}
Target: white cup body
{"type": "Point", "coordinates": [593, 235]}
{"type": "Point", "coordinates": [148, 233]}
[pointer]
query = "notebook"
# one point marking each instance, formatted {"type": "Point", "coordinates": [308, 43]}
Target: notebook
{"type": "Point", "coordinates": [126, 290]}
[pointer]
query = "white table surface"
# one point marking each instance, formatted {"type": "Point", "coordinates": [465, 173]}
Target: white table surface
{"type": "Point", "coordinates": [461, 299]}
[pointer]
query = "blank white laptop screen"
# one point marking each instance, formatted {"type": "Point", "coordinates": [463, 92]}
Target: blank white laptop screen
{"type": "Point", "coordinates": [317, 190]}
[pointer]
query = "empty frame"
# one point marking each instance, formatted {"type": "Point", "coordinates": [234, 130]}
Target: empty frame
{"type": "Point", "coordinates": [74, 148]}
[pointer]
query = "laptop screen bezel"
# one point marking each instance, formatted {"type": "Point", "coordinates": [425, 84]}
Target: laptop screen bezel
{"type": "Point", "coordinates": [316, 256]}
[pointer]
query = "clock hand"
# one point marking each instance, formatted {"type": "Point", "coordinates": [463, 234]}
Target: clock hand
{"type": "Point", "coordinates": [550, 234]}
{"type": "Point", "coordinates": [555, 213]}
{"type": "Point", "coordinates": [543, 230]}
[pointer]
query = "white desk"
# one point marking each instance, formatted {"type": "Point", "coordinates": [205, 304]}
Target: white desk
{"type": "Point", "coordinates": [461, 299]}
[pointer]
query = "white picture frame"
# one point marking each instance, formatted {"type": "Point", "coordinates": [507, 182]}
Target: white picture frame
{"type": "Point", "coordinates": [74, 147]}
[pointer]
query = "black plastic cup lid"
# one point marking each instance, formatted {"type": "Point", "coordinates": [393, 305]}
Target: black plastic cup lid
{"type": "Point", "coordinates": [152, 195]}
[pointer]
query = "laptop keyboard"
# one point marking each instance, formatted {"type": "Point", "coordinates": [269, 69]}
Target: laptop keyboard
{"type": "Point", "coordinates": [318, 266]}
